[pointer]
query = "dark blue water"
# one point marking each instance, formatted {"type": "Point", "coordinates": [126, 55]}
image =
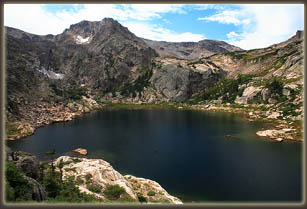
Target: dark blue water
{"type": "Point", "coordinates": [185, 151]}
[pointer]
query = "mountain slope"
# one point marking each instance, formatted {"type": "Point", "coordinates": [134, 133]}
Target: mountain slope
{"type": "Point", "coordinates": [53, 78]}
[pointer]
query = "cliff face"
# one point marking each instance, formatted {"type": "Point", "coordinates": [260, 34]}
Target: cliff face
{"type": "Point", "coordinates": [99, 59]}
{"type": "Point", "coordinates": [88, 58]}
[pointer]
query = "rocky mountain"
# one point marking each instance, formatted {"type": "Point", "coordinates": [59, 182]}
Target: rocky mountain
{"type": "Point", "coordinates": [190, 50]}
{"type": "Point", "coordinates": [54, 78]}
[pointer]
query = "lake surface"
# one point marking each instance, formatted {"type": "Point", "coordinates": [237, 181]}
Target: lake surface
{"type": "Point", "coordinates": [186, 152]}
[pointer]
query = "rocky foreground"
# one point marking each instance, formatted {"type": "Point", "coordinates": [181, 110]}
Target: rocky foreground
{"type": "Point", "coordinates": [94, 177]}
{"type": "Point", "coordinates": [103, 174]}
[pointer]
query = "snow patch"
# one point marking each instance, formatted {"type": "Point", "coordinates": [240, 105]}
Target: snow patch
{"type": "Point", "coordinates": [80, 40]}
{"type": "Point", "coordinates": [51, 74]}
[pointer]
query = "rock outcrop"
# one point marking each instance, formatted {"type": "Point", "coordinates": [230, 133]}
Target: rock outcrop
{"type": "Point", "coordinates": [249, 94]}
{"type": "Point", "coordinates": [29, 167]}
{"type": "Point", "coordinates": [28, 164]}
{"type": "Point", "coordinates": [80, 151]}
{"type": "Point", "coordinates": [277, 135]}
{"type": "Point", "coordinates": [100, 173]}
{"type": "Point", "coordinates": [37, 192]}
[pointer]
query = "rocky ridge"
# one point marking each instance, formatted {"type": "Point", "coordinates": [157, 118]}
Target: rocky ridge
{"type": "Point", "coordinates": [190, 50]}
{"type": "Point", "coordinates": [91, 64]}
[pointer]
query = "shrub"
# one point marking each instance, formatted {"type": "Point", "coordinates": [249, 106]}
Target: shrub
{"type": "Point", "coordinates": [17, 186]}
{"type": "Point", "coordinates": [93, 187]}
{"type": "Point", "coordinates": [76, 93]}
{"type": "Point", "coordinates": [275, 86]}
{"type": "Point", "coordinates": [88, 177]}
{"type": "Point", "coordinates": [113, 192]}
{"type": "Point", "coordinates": [9, 192]}
{"type": "Point", "coordinates": [151, 193]}
{"type": "Point", "coordinates": [55, 89]}
{"type": "Point", "coordinates": [51, 183]}
{"type": "Point", "coordinates": [76, 160]}
{"type": "Point", "coordinates": [79, 181]}
{"type": "Point", "coordinates": [70, 193]}
{"type": "Point", "coordinates": [141, 198]}
{"type": "Point", "coordinates": [70, 169]}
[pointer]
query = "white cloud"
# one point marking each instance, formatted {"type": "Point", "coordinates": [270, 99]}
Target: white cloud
{"type": "Point", "coordinates": [232, 35]}
{"type": "Point", "coordinates": [261, 25]}
{"type": "Point", "coordinates": [154, 32]}
{"type": "Point", "coordinates": [228, 17]}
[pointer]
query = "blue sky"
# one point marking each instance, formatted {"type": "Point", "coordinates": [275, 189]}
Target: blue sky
{"type": "Point", "coordinates": [247, 26]}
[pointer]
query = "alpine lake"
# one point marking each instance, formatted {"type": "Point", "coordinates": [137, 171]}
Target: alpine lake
{"type": "Point", "coordinates": [198, 156]}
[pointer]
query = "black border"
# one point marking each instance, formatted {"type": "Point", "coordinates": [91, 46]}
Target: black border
{"type": "Point", "coordinates": [3, 90]}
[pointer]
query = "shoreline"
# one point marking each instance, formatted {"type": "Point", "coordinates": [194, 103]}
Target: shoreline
{"type": "Point", "coordinates": [281, 129]}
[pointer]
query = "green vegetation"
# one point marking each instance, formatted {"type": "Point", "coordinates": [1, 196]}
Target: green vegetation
{"type": "Point", "coordinates": [200, 61]}
{"type": "Point", "coordinates": [16, 185]}
{"type": "Point", "coordinates": [141, 198]}
{"type": "Point", "coordinates": [52, 152]}
{"type": "Point", "coordinates": [79, 181]}
{"type": "Point", "coordinates": [88, 177]}
{"type": "Point", "coordinates": [227, 88]}
{"type": "Point", "coordinates": [76, 160]}
{"type": "Point", "coordinates": [113, 192]}
{"type": "Point", "coordinates": [151, 193]}
{"type": "Point", "coordinates": [55, 89]}
{"type": "Point", "coordinates": [70, 93]}
{"type": "Point", "coordinates": [238, 55]}
{"type": "Point", "coordinates": [288, 108]}
{"type": "Point", "coordinates": [93, 187]}
{"type": "Point", "coordinates": [11, 129]}
{"type": "Point", "coordinates": [18, 188]}
{"type": "Point", "coordinates": [275, 85]}
{"type": "Point", "coordinates": [63, 191]}
{"type": "Point", "coordinates": [138, 85]}
{"type": "Point", "coordinates": [248, 55]}
{"type": "Point", "coordinates": [70, 169]}
{"type": "Point", "coordinates": [75, 93]}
